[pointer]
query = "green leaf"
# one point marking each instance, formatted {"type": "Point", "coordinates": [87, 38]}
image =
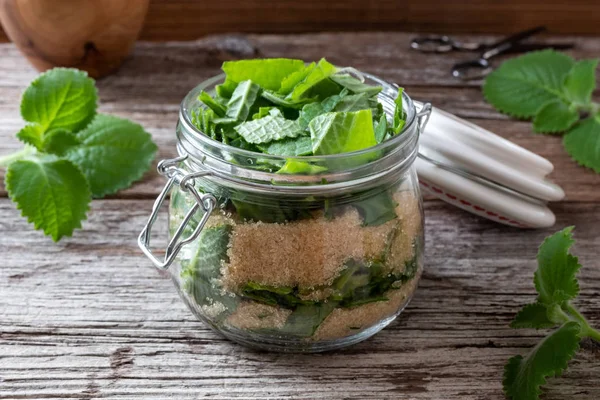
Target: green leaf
{"type": "Point", "coordinates": [300, 146]}
{"type": "Point", "coordinates": [376, 209]}
{"type": "Point", "coordinates": [312, 110]}
{"type": "Point", "coordinates": [281, 101]}
{"type": "Point", "coordinates": [583, 143]}
{"type": "Point", "coordinates": [523, 376]}
{"type": "Point", "coordinates": [342, 132]}
{"type": "Point", "coordinates": [381, 129]}
{"type": "Point", "coordinates": [522, 84]}
{"type": "Point", "coordinates": [533, 316]}
{"type": "Point", "coordinates": [242, 99]}
{"type": "Point", "coordinates": [581, 81]}
{"type": "Point", "coordinates": [263, 112]}
{"type": "Point", "coordinates": [218, 108]}
{"type": "Point", "coordinates": [554, 278]}
{"type": "Point", "coordinates": [52, 193]}
{"type": "Point", "coordinates": [300, 167]}
{"type": "Point", "coordinates": [59, 141]}
{"type": "Point", "coordinates": [399, 117]}
{"type": "Point", "coordinates": [316, 83]}
{"type": "Point", "coordinates": [267, 73]}
{"type": "Point", "coordinates": [290, 81]}
{"type": "Point", "coordinates": [269, 128]}
{"type": "Point", "coordinates": [32, 134]}
{"type": "Point", "coordinates": [305, 319]}
{"type": "Point", "coordinates": [555, 116]}
{"type": "Point", "coordinates": [355, 102]}
{"type": "Point", "coordinates": [114, 152]}
{"type": "Point", "coordinates": [355, 85]}
{"type": "Point", "coordinates": [60, 98]}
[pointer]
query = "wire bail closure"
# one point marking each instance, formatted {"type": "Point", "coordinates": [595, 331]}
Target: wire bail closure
{"type": "Point", "coordinates": [207, 202]}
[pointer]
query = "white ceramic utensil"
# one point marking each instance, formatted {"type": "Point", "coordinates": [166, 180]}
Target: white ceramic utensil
{"type": "Point", "coordinates": [478, 171]}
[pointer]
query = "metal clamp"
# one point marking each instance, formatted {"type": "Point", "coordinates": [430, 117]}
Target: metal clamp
{"type": "Point", "coordinates": [423, 116]}
{"type": "Point", "coordinates": [186, 182]}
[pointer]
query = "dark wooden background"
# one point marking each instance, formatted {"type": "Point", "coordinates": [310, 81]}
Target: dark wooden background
{"type": "Point", "coordinates": [191, 19]}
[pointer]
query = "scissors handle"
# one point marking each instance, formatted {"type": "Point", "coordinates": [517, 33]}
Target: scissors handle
{"type": "Point", "coordinates": [472, 69]}
{"type": "Point", "coordinates": [442, 44]}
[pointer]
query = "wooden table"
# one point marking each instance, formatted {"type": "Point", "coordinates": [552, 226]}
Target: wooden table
{"type": "Point", "coordinates": [89, 317]}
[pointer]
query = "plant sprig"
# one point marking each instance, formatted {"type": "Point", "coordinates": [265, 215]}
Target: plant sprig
{"type": "Point", "coordinates": [556, 283]}
{"type": "Point", "coordinates": [556, 92]}
{"type": "Point", "coordinates": [71, 153]}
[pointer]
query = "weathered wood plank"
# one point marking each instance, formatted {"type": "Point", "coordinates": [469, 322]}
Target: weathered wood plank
{"type": "Point", "coordinates": [90, 318]}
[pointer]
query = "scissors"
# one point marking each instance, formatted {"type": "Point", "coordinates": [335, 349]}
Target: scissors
{"type": "Point", "coordinates": [479, 67]}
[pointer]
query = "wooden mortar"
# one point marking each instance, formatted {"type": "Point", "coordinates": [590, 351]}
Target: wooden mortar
{"type": "Point", "coordinates": [92, 35]}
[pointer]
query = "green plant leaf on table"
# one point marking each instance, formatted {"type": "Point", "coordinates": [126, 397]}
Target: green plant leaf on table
{"type": "Point", "coordinates": [52, 193]}
{"type": "Point", "coordinates": [523, 376]}
{"type": "Point", "coordinates": [68, 155]}
{"type": "Point", "coordinates": [556, 283]}
{"type": "Point", "coordinates": [581, 81]}
{"type": "Point", "coordinates": [583, 143]}
{"type": "Point", "coordinates": [108, 146]}
{"type": "Point", "coordinates": [555, 116]}
{"type": "Point", "coordinates": [520, 86]}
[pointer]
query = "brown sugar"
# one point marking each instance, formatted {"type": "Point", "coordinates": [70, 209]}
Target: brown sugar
{"type": "Point", "coordinates": [254, 315]}
{"type": "Point", "coordinates": [307, 253]}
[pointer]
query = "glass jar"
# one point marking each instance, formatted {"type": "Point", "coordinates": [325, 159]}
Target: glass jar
{"type": "Point", "coordinates": [295, 254]}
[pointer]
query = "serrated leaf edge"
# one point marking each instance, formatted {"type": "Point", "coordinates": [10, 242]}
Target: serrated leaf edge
{"type": "Point", "coordinates": [516, 362]}
{"type": "Point", "coordinates": [36, 225]}
{"type": "Point", "coordinates": [580, 163]}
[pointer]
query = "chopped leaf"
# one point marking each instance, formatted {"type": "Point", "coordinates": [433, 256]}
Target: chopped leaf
{"type": "Point", "coordinates": [555, 279]}
{"type": "Point", "coordinates": [266, 73]}
{"type": "Point", "coordinates": [312, 110]}
{"type": "Point", "coordinates": [399, 117]}
{"type": "Point", "coordinates": [376, 209]}
{"type": "Point", "coordinates": [290, 81]}
{"type": "Point", "coordinates": [292, 166]}
{"type": "Point", "coordinates": [523, 376]}
{"type": "Point", "coordinates": [305, 319]}
{"type": "Point", "coordinates": [583, 143]}
{"type": "Point", "coordinates": [52, 193]}
{"type": "Point", "coordinates": [299, 146]}
{"type": "Point", "coordinates": [355, 102]}
{"type": "Point", "coordinates": [242, 99]}
{"type": "Point", "coordinates": [581, 81]}
{"type": "Point", "coordinates": [381, 129]}
{"type": "Point", "coordinates": [269, 128]}
{"type": "Point", "coordinates": [263, 112]}
{"type": "Point", "coordinates": [520, 86]}
{"type": "Point", "coordinates": [218, 108]}
{"type": "Point", "coordinates": [108, 146]}
{"type": "Point", "coordinates": [316, 83]}
{"type": "Point", "coordinates": [281, 101]}
{"type": "Point", "coordinates": [556, 116]}
{"type": "Point", "coordinates": [533, 316]}
{"type": "Point", "coordinates": [339, 132]}
{"type": "Point", "coordinates": [355, 85]}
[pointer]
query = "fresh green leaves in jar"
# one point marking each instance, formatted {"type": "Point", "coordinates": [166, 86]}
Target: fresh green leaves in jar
{"type": "Point", "coordinates": [71, 153]}
{"type": "Point", "coordinates": [556, 92]}
{"type": "Point", "coordinates": [556, 283]}
{"type": "Point", "coordinates": [269, 102]}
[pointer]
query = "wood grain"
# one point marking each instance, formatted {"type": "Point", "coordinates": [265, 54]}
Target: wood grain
{"type": "Point", "coordinates": [89, 318]}
{"type": "Point", "coordinates": [92, 36]}
{"type": "Point", "coordinates": [190, 19]}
